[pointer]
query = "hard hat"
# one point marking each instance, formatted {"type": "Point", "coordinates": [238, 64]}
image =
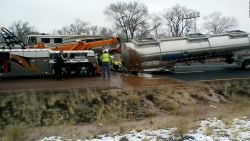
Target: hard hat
{"type": "Point", "coordinates": [106, 50]}
{"type": "Point", "coordinates": [114, 36]}
{"type": "Point", "coordinates": [78, 40]}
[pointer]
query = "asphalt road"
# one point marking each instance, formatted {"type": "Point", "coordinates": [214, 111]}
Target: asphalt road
{"type": "Point", "coordinates": [208, 71]}
{"type": "Point", "coordinates": [195, 72]}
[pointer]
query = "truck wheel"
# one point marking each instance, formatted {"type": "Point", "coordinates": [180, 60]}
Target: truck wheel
{"type": "Point", "coordinates": [134, 72]}
{"type": "Point", "coordinates": [246, 65]}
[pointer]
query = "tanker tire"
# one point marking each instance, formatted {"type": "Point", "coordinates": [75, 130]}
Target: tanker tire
{"type": "Point", "coordinates": [246, 65]}
{"type": "Point", "coordinates": [229, 60]}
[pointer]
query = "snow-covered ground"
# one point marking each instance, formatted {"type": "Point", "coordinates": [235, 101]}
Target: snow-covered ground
{"type": "Point", "coordinates": [210, 129]}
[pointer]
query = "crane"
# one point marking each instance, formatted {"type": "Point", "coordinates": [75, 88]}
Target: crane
{"type": "Point", "coordinates": [10, 39]}
{"type": "Point", "coordinates": [79, 55]}
{"type": "Point", "coordinates": [80, 45]}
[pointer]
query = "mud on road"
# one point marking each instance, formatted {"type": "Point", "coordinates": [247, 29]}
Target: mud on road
{"type": "Point", "coordinates": [117, 80]}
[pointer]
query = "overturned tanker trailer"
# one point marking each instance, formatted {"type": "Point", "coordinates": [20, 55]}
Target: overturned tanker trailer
{"type": "Point", "coordinates": [154, 55]}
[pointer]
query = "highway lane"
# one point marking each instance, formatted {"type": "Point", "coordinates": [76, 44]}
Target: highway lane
{"type": "Point", "coordinates": [195, 72]}
{"type": "Point", "coordinates": [208, 71]}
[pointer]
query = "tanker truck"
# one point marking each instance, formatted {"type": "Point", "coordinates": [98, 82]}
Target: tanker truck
{"type": "Point", "coordinates": [155, 55]}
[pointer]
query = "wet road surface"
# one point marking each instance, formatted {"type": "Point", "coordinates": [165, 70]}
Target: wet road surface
{"type": "Point", "coordinates": [182, 75]}
{"type": "Point", "coordinates": [117, 80]}
{"type": "Point", "coordinates": [209, 71]}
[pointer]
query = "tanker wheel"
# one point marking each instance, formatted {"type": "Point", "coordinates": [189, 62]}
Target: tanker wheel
{"type": "Point", "coordinates": [246, 65]}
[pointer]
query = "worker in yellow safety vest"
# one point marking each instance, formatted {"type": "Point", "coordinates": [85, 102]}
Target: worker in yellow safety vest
{"type": "Point", "coordinates": [59, 61]}
{"type": "Point", "coordinates": [105, 58]}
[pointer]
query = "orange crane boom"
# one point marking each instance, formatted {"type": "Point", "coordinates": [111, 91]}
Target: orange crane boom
{"type": "Point", "coordinates": [79, 45]}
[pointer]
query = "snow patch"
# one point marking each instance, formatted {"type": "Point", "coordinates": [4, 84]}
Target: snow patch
{"type": "Point", "coordinates": [209, 130]}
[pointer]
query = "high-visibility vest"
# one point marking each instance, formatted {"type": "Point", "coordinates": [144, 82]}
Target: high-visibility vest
{"type": "Point", "coordinates": [105, 58]}
{"type": "Point", "coordinates": [62, 57]}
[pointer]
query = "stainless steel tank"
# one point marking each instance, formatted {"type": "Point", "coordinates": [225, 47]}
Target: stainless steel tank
{"type": "Point", "coordinates": [146, 54]}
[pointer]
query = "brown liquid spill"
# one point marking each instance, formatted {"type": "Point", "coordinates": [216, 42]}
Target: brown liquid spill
{"type": "Point", "coordinates": [136, 81]}
{"type": "Point", "coordinates": [116, 81]}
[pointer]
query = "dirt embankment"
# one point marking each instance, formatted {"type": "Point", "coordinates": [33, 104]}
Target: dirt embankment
{"type": "Point", "coordinates": [46, 108]}
{"type": "Point", "coordinates": [80, 106]}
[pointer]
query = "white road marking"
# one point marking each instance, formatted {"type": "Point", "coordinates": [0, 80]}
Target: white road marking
{"type": "Point", "coordinates": [206, 66]}
{"type": "Point", "coordinates": [186, 72]}
{"type": "Point", "coordinates": [226, 79]}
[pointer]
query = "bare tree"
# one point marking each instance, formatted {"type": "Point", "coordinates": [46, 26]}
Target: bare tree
{"type": "Point", "coordinates": [215, 23]}
{"type": "Point", "coordinates": [22, 29]}
{"type": "Point", "coordinates": [94, 30]}
{"type": "Point", "coordinates": [106, 32]}
{"type": "Point", "coordinates": [175, 23]}
{"type": "Point", "coordinates": [127, 16]}
{"type": "Point", "coordinates": [143, 30]}
{"type": "Point", "coordinates": [157, 27]}
{"type": "Point", "coordinates": [77, 28]}
{"type": "Point", "coordinates": [151, 28]}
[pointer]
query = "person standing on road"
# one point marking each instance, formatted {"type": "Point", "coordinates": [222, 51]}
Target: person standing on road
{"type": "Point", "coordinates": [59, 65]}
{"type": "Point", "coordinates": [105, 58]}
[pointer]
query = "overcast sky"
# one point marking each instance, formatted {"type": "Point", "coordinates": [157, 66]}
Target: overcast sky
{"type": "Point", "coordinates": [47, 15]}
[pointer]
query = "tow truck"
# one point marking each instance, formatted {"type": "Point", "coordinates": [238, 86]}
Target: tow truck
{"type": "Point", "coordinates": [18, 58]}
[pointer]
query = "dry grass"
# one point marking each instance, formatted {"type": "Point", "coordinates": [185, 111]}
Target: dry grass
{"type": "Point", "coordinates": [15, 133]}
{"type": "Point", "coordinates": [183, 126]}
{"type": "Point", "coordinates": [145, 139]}
{"type": "Point", "coordinates": [227, 120]}
{"type": "Point", "coordinates": [92, 95]}
{"type": "Point", "coordinates": [226, 88]}
{"type": "Point", "coordinates": [138, 130]}
{"type": "Point", "coordinates": [122, 130]}
{"type": "Point", "coordinates": [209, 131]}
{"type": "Point", "coordinates": [100, 114]}
{"type": "Point", "coordinates": [239, 101]}
{"type": "Point", "coordinates": [113, 93]}
{"type": "Point", "coordinates": [133, 98]}
{"type": "Point", "coordinates": [111, 111]}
